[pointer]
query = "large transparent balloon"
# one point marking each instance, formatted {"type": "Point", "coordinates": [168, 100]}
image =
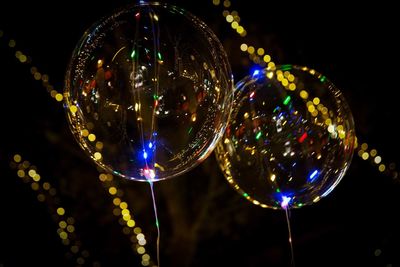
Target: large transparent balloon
{"type": "Point", "coordinates": [290, 138]}
{"type": "Point", "coordinates": [148, 92]}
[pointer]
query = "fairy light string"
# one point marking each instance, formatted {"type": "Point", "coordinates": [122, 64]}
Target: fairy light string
{"type": "Point", "coordinates": [260, 57]}
{"type": "Point", "coordinates": [121, 209]}
{"type": "Point", "coordinates": [47, 193]}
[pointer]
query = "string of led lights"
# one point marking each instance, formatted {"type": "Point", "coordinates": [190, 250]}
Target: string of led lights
{"type": "Point", "coordinates": [46, 193]}
{"type": "Point", "coordinates": [121, 209]}
{"type": "Point", "coordinates": [260, 57]}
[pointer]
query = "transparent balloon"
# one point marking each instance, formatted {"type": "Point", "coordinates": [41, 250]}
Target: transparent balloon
{"type": "Point", "coordinates": [148, 92]}
{"type": "Point", "coordinates": [290, 138]}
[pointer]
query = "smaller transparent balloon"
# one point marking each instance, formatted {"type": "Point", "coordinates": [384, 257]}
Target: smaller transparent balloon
{"type": "Point", "coordinates": [148, 92]}
{"type": "Point", "coordinates": [290, 138]}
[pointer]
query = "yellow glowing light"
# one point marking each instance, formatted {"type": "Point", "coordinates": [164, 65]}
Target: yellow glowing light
{"type": "Point", "coordinates": [73, 109]}
{"type": "Point", "coordinates": [328, 121]}
{"type": "Point", "coordinates": [235, 25]}
{"type": "Point", "coordinates": [314, 113]}
{"type": "Point", "coordinates": [373, 152]}
{"type": "Point", "coordinates": [137, 230]}
{"type": "Point", "coordinates": [70, 228]}
{"type": "Point", "coordinates": [37, 76]}
{"type": "Point", "coordinates": [365, 155]}
{"type": "Point", "coordinates": [279, 76]}
{"type": "Point", "coordinates": [103, 177]}
{"type": "Point", "coordinates": [316, 199]}
{"type": "Point", "coordinates": [63, 235]}
{"type": "Point", "coordinates": [123, 205]}
{"type": "Point", "coordinates": [112, 190]}
{"type": "Point", "coordinates": [41, 197]}
{"type": "Point", "coordinates": [125, 212]}
{"type": "Point", "coordinates": [59, 97]}
{"type": "Point", "coordinates": [22, 58]}
{"type": "Point", "coordinates": [116, 201]}
{"type": "Point", "coordinates": [246, 115]}
{"type": "Point", "coordinates": [155, 17]}
{"type": "Point", "coordinates": [35, 186]}
{"type": "Point", "coordinates": [316, 100]}
{"type": "Point", "coordinates": [146, 257]}
{"type": "Point", "coordinates": [243, 47]}
{"type": "Point", "coordinates": [62, 224]}
{"type": "Point", "coordinates": [364, 146]}
{"type": "Point", "coordinates": [312, 72]}
{"type": "Point", "coordinates": [74, 249]}
{"type": "Point", "coordinates": [225, 13]}
{"type": "Point", "coordinates": [141, 250]}
{"type": "Point", "coordinates": [331, 128]}
{"type": "Point", "coordinates": [377, 159]}
{"type": "Point", "coordinates": [53, 93]}
{"type": "Point", "coordinates": [60, 211]}
{"type": "Point", "coordinates": [342, 134]}
{"type": "Point", "coordinates": [36, 177]}
{"type": "Point", "coordinates": [31, 172]}
{"type": "Point", "coordinates": [85, 132]}
{"type": "Point", "coordinates": [142, 242]}
{"type": "Point", "coordinates": [216, 2]}
{"type": "Point", "coordinates": [242, 33]}
{"type": "Point", "coordinates": [21, 173]}
{"type": "Point", "coordinates": [292, 86]}
{"type": "Point", "coordinates": [271, 65]}
{"type": "Point", "coordinates": [251, 49]}
{"type": "Point", "coordinates": [382, 168]}
{"type": "Point", "coordinates": [273, 176]}
{"type": "Point", "coordinates": [12, 43]}
{"type": "Point", "coordinates": [99, 145]}
{"type": "Point", "coordinates": [97, 155]}
{"type": "Point", "coordinates": [229, 18]}
{"type": "Point", "coordinates": [240, 30]}
{"type": "Point", "coordinates": [46, 186]}
{"type": "Point", "coordinates": [126, 217]}
{"type": "Point", "coordinates": [130, 223]}
{"type": "Point", "coordinates": [227, 3]}
{"type": "Point", "coordinates": [116, 211]}
{"type": "Point", "coordinates": [290, 77]}
{"type": "Point", "coordinates": [270, 74]}
{"type": "Point", "coordinates": [267, 58]}
{"type": "Point", "coordinates": [17, 158]}
{"type": "Point", "coordinates": [91, 137]}
{"type": "Point", "coordinates": [260, 51]}
{"type": "Point", "coordinates": [311, 108]}
{"type": "Point", "coordinates": [304, 94]}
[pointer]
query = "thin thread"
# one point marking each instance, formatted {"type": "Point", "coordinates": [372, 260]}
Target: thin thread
{"type": "Point", "coordinates": [292, 262]}
{"type": "Point", "coordinates": [157, 223]}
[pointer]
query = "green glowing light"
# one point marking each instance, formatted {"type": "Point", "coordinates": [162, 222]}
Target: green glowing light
{"type": "Point", "coordinates": [159, 56]}
{"type": "Point", "coordinates": [258, 135]}
{"type": "Point", "coordinates": [323, 79]}
{"type": "Point", "coordinates": [190, 130]}
{"type": "Point", "coordinates": [278, 190]}
{"type": "Point", "coordinates": [155, 97]}
{"type": "Point", "coordinates": [133, 53]}
{"type": "Point", "coordinates": [286, 67]}
{"type": "Point", "coordinates": [157, 223]}
{"type": "Point", "coordinates": [287, 100]}
{"type": "Point", "coordinates": [245, 194]}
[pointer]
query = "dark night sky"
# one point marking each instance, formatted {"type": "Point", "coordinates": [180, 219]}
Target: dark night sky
{"type": "Point", "coordinates": [355, 47]}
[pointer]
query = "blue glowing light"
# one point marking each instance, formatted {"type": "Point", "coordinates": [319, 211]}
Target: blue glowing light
{"type": "Point", "coordinates": [150, 145]}
{"type": "Point", "coordinates": [144, 154]}
{"type": "Point", "coordinates": [313, 175]}
{"type": "Point", "coordinates": [255, 71]}
{"type": "Point", "coordinates": [285, 202]}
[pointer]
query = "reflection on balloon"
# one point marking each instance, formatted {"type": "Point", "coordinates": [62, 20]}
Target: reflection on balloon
{"type": "Point", "coordinates": [290, 138]}
{"type": "Point", "coordinates": [148, 92]}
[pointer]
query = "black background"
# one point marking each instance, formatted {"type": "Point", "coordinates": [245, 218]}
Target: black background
{"type": "Point", "coordinates": [355, 47]}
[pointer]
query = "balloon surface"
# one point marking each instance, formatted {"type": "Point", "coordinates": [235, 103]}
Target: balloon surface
{"type": "Point", "coordinates": [148, 92]}
{"type": "Point", "coordinates": [290, 138]}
